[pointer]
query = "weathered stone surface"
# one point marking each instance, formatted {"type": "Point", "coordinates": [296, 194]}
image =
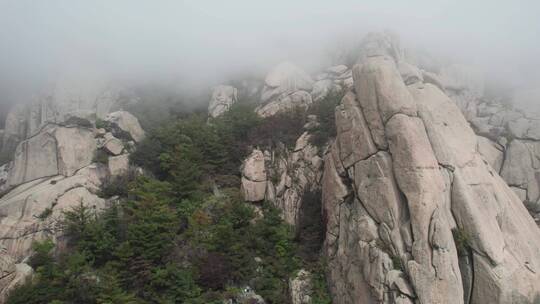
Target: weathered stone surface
{"type": "Point", "coordinates": [380, 102]}
{"type": "Point", "coordinates": [24, 206]}
{"type": "Point", "coordinates": [51, 172]}
{"type": "Point", "coordinates": [409, 73]}
{"type": "Point", "coordinates": [300, 288]}
{"type": "Point", "coordinates": [22, 273]}
{"type": "Point", "coordinates": [285, 79]}
{"type": "Point", "coordinates": [284, 103]}
{"type": "Point", "coordinates": [433, 79]}
{"type": "Point", "coordinates": [54, 150]}
{"type": "Point", "coordinates": [445, 126]}
{"type": "Point", "coordinates": [223, 97]}
{"type": "Point", "coordinates": [521, 168]}
{"type": "Point", "coordinates": [323, 88]}
{"type": "Point", "coordinates": [254, 177]}
{"type": "Point", "coordinates": [391, 216]}
{"type": "Point", "coordinates": [283, 177]}
{"type": "Point", "coordinates": [69, 101]}
{"type": "Point", "coordinates": [492, 152]}
{"type": "Point", "coordinates": [353, 137]}
{"type": "Point", "coordinates": [118, 165]}
{"type": "Point", "coordinates": [126, 122]}
{"type": "Point", "coordinates": [112, 144]}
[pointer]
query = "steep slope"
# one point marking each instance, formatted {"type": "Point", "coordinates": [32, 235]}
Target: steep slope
{"type": "Point", "coordinates": [54, 168]}
{"type": "Point", "coordinates": [415, 214]}
{"type": "Point", "coordinates": [509, 137]}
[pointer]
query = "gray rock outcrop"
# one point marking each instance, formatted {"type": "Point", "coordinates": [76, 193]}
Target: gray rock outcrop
{"type": "Point", "coordinates": [509, 138]}
{"type": "Point", "coordinates": [124, 123]}
{"type": "Point", "coordinates": [286, 87]}
{"type": "Point", "coordinates": [254, 177]}
{"type": "Point", "coordinates": [223, 97]}
{"type": "Point", "coordinates": [283, 176]}
{"type": "Point", "coordinates": [53, 170]}
{"type": "Point", "coordinates": [301, 288]}
{"type": "Point", "coordinates": [56, 150]}
{"type": "Point", "coordinates": [333, 81]}
{"type": "Point", "coordinates": [415, 214]}
{"type": "Point", "coordinates": [63, 105]}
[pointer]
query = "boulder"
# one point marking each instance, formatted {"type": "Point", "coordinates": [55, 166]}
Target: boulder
{"type": "Point", "coordinates": [409, 73]}
{"type": "Point", "coordinates": [118, 165]}
{"type": "Point", "coordinates": [112, 144]}
{"type": "Point", "coordinates": [125, 123]}
{"type": "Point", "coordinates": [285, 79]}
{"type": "Point", "coordinates": [284, 103]}
{"type": "Point", "coordinates": [323, 88]}
{"type": "Point", "coordinates": [223, 97]}
{"type": "Point", "coordinates": [300, 288]}
{"type": "Point", "coordinates": [254, 177]}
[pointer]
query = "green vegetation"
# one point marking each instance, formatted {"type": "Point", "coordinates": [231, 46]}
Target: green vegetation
{"type": "Point", "coordinates": [101, 124]}
{"type": "Point", "coordinates": [325, 112]}
{"type": "Point", "coordinates": [320, 294]}
{"type": "Point", "coordinates": [45, 213]}
{"type": "Point", "coordinates": [169, 239]}
{"type": "Point", "coordinates": [101, 157]}
{"type": "Point", "coordinates": [462, 240]}
{"type": "Point", "coordinates": [396, 263]}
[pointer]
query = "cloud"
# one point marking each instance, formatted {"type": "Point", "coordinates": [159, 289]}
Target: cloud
{"type": "Point", "coordinates": [203, 41]}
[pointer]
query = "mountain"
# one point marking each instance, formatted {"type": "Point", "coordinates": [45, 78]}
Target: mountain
{"type": "Point", "coordinates": [383, 182]}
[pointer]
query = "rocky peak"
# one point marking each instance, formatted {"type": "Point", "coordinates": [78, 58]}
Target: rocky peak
{"type": "Point", "coordinates": [60, 161]}
{"type": "Point", "coordinates": [403, 186]}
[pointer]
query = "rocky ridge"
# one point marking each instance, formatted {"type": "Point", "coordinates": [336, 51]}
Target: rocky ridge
{"type": "Point", "coordinates": [57, 164]}
{"type": "Point", "coordinates": [422, 189]}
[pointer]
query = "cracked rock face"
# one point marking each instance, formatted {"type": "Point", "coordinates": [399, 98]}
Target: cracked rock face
{"type": "Point", "coordinates": [125, 123]}
{"type": "Point", "coordinates": [283, 176]}
{"type": "Point", "coordinates": [223, 97]}
{"type": "Point", "coordinates": [508, 138]}
{"type": "Point", "coordinates": [53, 170]}
{"type": "Point", "coordinates": [301, 288]}
{"type": "Point", "coordinates": [286, 87]}
{"type": "Point", "coordinates": [56, 150]}
{"type": "Point", "coordinates": [254, 177]}
{"type": "Point", "coordinates": [407, 174]}
{"type": "Point", "coordinates": [62, 104]}
{"type": "Point", "coordinates": [334, 80]}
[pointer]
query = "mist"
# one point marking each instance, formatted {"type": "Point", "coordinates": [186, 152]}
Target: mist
{"type": "Point", "coordinates": [202, 43]}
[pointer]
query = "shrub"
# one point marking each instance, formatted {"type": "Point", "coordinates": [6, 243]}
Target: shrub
{"type": "Point", "coordinates": [101, 124]}
{"type": "Point", "coordinates": [101, 157]}
{"type": "Point", "coordinates": [45, 213]}
{"type": "Point", "coordinates": [280, 128]}
{"type": "Point", "coordinates": [311, 230]}
{"type": "Point", "coordinates": [396, 262]}
{"type": "Point", "coordinates": [462, 241]}
{"type": "Point", "coordinates": [214, 271]}
{"type": "Point", "coordinates": [325, 112]}
{"type": "Point", "coordinates": [118, 185]}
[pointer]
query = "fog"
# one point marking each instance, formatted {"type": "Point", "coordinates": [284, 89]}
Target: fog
{"type": "Point", "coordinates": [201, 42]}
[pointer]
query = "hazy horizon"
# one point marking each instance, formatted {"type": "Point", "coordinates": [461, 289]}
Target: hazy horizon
{"type": "Point", "coordinates": [188, 43]}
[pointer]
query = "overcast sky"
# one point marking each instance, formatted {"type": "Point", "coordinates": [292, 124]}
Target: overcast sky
{"type": "Point", "coordinates": [203, 40]}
